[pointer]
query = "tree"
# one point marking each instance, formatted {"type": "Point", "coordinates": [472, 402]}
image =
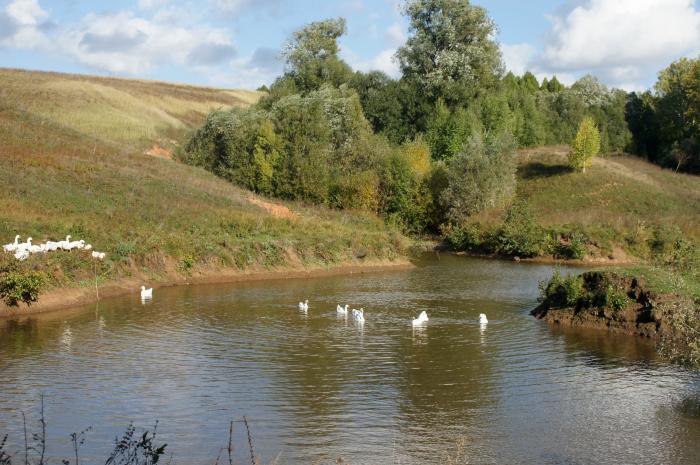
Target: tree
{"type": "Point", "coordinates": [585, 146]}
{"type": "Point", "coordinates": [482, 176]}
{"type": "Point", "coordinates": [451, 51]}
{"type": "Point", "coordinates": [554, 85]}
{"type": "Point", "coordinates": [640, 115]}
{"type": "Point", "coordinates": [312, 56]}
{"type": "Point", "coordinates": [678, 111]}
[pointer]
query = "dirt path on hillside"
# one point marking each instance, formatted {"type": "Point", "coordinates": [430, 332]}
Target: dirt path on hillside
{"type": "Point", "coordinates": [274, 209]}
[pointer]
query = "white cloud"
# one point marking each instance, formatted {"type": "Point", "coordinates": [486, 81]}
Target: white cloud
{"type": "Point", "coordinates": [152, 4]}
{"type": "Point", "coordinates": [22, 23]}
{"type": "Point", "coordinates": [604, 33]}
{"type": "Point", "coordinates": [237, 7]}
{"type": "Point", "coordinates": [26, 12]}
{"type": "Point", "coordinates": [124, 43]}
{"type": "Point", "coordinates": [384, 61]}
{"type": "Point", "coordinates": [624, 42]}
{"type": "Point", "coordinates": [250, 72]}
{"type": "Point", "coordinates": [395, 35]}
{"type": "Point", "coordinates": [517, 57]}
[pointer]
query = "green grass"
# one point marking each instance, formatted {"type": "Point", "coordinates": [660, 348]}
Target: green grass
{"type": "Point", "coordinates": [621, 193]}
{"type": "Point", "coordinates": [73, 162]}
{"type": "Point", "coordinates": [625, 210]}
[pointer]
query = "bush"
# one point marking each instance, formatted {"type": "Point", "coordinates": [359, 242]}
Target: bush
{"type": "Point", "coordinates": [562, 291]}
{"type": "Point", "coordinates": [18, 287]}
{"type": "Point", "coordinates": [572, 247]}
{"type": "Point", "coordinates": [520, 234]}
{"type": "Point", "coordinates": [615, 298]}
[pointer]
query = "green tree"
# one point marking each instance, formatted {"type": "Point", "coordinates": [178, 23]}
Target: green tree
{"type": "Point", "coordinates": [554, 85]}
{"type": "Point", "coordinates": [451, 51]}
{"type": "Point", "coordinates": [482, 176]}
{"type": "Point", "coordinates": [585, 146]}
{"type": "Point", "coordinates": [312, 55]}
{"type": "Point", "coordinates": [678, 112]}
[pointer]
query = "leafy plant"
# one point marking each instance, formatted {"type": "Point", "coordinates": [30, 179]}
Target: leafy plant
{"type": "Point", "coordinates": [24, 287]}
{"type": "Point", "coordinates": [562, 291]}
{"type": "Point", "coordinates": [615, 298]}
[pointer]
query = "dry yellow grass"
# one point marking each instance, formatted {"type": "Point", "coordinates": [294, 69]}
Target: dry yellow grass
{"type": "Point", "coordinates": [117, 111]}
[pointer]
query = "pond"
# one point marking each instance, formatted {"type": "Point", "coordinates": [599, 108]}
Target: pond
{"type": "Point", "coordinates": [314, 386]}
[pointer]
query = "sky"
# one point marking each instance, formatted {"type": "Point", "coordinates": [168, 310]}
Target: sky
{"type": "Point", "coordinates": [237, 43]}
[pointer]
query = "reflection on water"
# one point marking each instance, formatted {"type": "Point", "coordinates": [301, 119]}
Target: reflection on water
{"type": "Point", "coordinates": [318, 384]}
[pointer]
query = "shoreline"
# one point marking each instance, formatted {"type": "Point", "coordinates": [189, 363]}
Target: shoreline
{"type": "Point", "coordinates": [65, 298]}
{"type": "Point", "coordinates": [548, 260]}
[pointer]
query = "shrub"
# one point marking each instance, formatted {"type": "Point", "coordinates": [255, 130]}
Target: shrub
{"type": "Point", "coordinates": [18, 287]}
{"type": "Point", "coordinates": [562, 291]}
{"type": "Point", "coordinates": [573, 248]}
{"type": "Point", "coordinates": [615, 298]}
{"type": "Point", "coordinates": [520, 234]}
{"type": "Point", "coordinates": [467, 236]}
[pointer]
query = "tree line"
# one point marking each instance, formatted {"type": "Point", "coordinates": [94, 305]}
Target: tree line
{"type": "Point", "coordinates": [436, 146]}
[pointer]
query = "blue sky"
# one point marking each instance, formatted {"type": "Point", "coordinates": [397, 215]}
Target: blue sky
{"type": "Point", "coordinates": [236, 43]}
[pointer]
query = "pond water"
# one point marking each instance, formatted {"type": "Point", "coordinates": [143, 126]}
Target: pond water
{"type": "Point", "coordinates": [315, 387]}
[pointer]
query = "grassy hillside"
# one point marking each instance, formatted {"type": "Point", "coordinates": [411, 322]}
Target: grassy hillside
{"type": "Point", "coordinates": [623, 193]}
{"type": "Point", "coordinates": [129, 112]}
{"type": "Point", "coordinates": [622, 209]}
{"type": "Point", "coordinates": [73, 162]}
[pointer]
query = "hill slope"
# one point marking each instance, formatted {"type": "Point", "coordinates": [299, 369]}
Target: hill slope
{"type": "Point", "coordinates": [623, 193]}
{"type": "Point", "coordinates": [73, 162]}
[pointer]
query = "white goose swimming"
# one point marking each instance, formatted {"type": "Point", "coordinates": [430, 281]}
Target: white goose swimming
{"type": "Point", "coordinates": [11, 247]}
{"type": "Point", "coordinates": [422, 318]}
{"type": "Point", "coordinates": [482, 319]}
{"type": "Point", "coordinates": [304, 306]}
{"type": "Point", "coordinates": [342, 310]}
{"type": "Point", "coordinates": [146, 293]}
{"type": "Point", "coordinates": [359, 315]}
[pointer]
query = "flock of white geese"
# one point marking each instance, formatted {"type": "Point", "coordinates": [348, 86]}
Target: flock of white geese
{"type": "Point", "coordinates": [359, 315]}
{"type": "Point", "coordinates": [22, 250]}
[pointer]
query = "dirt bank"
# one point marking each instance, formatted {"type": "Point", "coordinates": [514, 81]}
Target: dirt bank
{"type": "Point", "coordinates": [58, 299]}
{"type": "Point", "coordinates": [604, 300]}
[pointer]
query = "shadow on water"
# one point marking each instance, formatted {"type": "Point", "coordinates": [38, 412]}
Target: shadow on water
{"type": "Point", "coordinates": [602, 349]}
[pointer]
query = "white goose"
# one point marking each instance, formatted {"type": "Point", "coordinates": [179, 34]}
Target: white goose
{"type": "Point", "coordinates": [422, 318]}
{"type": "Point", "coordinates": [64, 244]}
{"type": "Point", "coordinates": [31, 248]}
{"type": "Point", "coordinates": [359, 315]}
{"type": "Point", "coordinates": [21, 254]}
{"type": "Point", "coordinates": [342, 310]}
{"type": "Point", "coordinates": [76, 245]}
{"type": "Point", "coordinates": [11, 247]}
{"type": "Point", "coordinates": [51, 246]}
{"type": "Point", "coordinates": [304, 306]}
{"type": "Point", "coordinates": [482, 319]}
{"type": "Point", "coordinates": [146, 293]}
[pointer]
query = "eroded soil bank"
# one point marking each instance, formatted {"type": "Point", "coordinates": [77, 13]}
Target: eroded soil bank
{"type": "Point", "coordinates": [606, 300]}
